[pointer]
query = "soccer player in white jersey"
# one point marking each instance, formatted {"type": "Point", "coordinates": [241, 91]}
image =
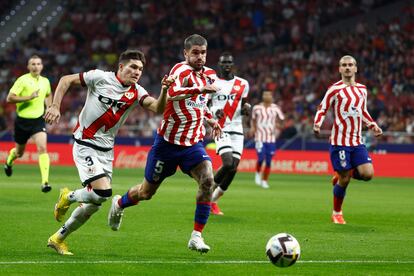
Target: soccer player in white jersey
{"type": "Point", "coordinates": [111, 96]}
{"type": "Point", "coordinates": [266, 118]}
{"type": "Point", "coordinates": [349, 155]}
{"type": "Point", "coordinates": [229, 105]}
{"type": "Point", "coordinates": [179, 141]}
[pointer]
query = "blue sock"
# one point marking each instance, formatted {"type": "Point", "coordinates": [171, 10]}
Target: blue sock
{"type": "Point", "coordinates": [202, 213]}
{"type": "Point", "coordinates": [339, 191]}
{"type": "Point", "coordinates": [126, 201]}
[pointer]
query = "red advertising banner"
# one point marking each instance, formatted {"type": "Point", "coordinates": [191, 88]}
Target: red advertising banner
{"type": "Point", "coordinates": [297, 162]}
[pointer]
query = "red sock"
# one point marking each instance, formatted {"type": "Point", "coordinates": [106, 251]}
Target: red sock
{"type": "Point", "coordinates": [258, 167]}
{"type": "Point", "coordinates": [337, 203]}
{"type": "Point", "coordinates": [266, 173]}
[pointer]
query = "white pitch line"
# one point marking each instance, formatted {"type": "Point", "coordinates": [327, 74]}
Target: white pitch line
{"type": "Point", "coordinates": [204, 262]}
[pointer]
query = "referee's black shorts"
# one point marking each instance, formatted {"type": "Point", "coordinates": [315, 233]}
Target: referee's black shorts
{"type": "Point", "coordinates": [24, 128]}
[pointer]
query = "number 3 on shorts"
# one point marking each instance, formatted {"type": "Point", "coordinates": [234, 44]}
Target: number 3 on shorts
{"type": "Point", "coordinates": [159, 166]}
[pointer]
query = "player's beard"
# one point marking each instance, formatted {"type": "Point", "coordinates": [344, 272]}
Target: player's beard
{"type": "Point", "coordinates": [198, 65]}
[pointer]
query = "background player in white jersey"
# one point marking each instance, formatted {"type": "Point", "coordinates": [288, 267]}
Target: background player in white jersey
{"type": "Point", "coordinates": [349, 155]}
{"type": "Point", "coordinates": [179, 140]}
{"type": "Point", "coordinates": [111, 96]}
{"type": "Point", "coordinates": [229, 105]}
{"type": "Point", "coordinates": [266, 118]}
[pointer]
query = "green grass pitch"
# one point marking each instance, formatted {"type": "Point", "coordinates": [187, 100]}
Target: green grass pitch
{"type": "Point", "coordinates": [378, 239]}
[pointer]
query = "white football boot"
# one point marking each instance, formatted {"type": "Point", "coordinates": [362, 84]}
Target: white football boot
{"type": "Point", "coordinates": [115, 214]}
{"type": "Point", "coordinates": [258, 179]}
{"type": "Point", "coordinates": [265, 185]}
{"type": "Point", "coordinates": [196, 243]}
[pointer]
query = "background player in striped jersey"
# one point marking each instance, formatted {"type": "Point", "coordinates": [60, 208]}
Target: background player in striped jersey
{"type": "Point", "coordinates": [349, 156]}
{"type": "Point", "coordinates": [266, 118]}
{"type": "Point", "coordinates": [111, 96]}
{"type": "Point", "coordinates": [228, 105]}
{"type": "Point", "coordinates": [179, 140]}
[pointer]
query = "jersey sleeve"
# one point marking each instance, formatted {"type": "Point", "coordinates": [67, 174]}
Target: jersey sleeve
{"type": "Point", "coordinates": [142, 94]}
{"type": "Point", "coordinates": [324, 107]}
{"type": "Point", "coordinates": [17, 87]}
{"type": "Point", "coordinates": [179, 87]}
{"type": "Point", "coordinates": [254, 113]}
{"type": "Point", "coordinates": [207, 113]}
{"type": "Point", "coordinates": [280, 114]}
{"type": "Point", "coordinates": [49, 88]}
{"type": "Point", "coordinates": [246, 90]}
{"type": "Point", "coordinates": [366, 117]}
{"type": "Point", "coordinates": [91, 77]}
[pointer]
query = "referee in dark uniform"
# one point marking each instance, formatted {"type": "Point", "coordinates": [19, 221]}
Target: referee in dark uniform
{"type": "Point", "coordinates": [29, 93]}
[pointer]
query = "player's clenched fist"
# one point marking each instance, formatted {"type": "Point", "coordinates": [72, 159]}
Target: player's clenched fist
{"type": "Point", "coordinates": [167, 81]}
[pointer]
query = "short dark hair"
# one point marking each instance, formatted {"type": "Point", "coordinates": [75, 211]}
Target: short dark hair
{"type": "Point", "coordinates": [131, 54]}
{"type": "Point", "coordinates": [33, 57]}
{"type": "Point", "coordinates": [226, 54]}
{"type": "Point", "coordinates": [194, 39]}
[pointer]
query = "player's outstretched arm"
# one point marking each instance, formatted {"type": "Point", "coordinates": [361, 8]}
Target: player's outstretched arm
{"type": "Point", "coordinates": [158, 105]}
{"type": "Point", "coordinates": [52, 114]}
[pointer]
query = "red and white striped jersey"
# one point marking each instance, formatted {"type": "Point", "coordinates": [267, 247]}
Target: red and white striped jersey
{"type": "Point", "coordinates": [106, 108]}
{"type": "Point", "coordinates": [229, 99]}
{"type": "Point", "coordinates": [183, 119]}
{"type": "Point", "coordinates": [350, 110]}
{"type": "Point", "coordinates": [266, 118]}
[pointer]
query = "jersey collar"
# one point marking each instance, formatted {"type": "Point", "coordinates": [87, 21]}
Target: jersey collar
{"type": "Point", "coordinates": [120, 81]}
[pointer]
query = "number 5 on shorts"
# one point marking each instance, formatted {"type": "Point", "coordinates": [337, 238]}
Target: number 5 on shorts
{"type": "Point", "coordinates": [159, 166]}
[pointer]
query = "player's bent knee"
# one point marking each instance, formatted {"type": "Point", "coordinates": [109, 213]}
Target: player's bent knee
{"type": "Point", "coordinates": [102, 195]}
{"type": "Point", "coordinates": [367, 176]}
{"type": "Point", "coordinates": [91, 208]}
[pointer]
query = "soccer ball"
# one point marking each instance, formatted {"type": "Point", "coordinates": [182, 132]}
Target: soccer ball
{"type": "Point", "coordinates": [283, 250]}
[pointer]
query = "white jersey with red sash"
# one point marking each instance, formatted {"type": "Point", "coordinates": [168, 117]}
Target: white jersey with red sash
{"type": "Point", "coordinates": [229, 99]}
{"type": "Point", "coordinates": [107, 105]}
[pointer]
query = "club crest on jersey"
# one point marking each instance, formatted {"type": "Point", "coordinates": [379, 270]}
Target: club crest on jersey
{"type": "Point", "coordinates": [236, 87]}
{"type": "Point", "coordinates": [343, 163]}
{"type": "Point", "coordinates": [129, 95]}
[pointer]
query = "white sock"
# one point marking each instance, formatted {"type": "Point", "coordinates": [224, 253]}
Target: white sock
{"type": "Point", "coordinates": [196, 233]}
{"type": "Point", "coordinates": [218, 192]}
{"type": "Point", "coordinates": [337, 213]}
{"type": "Point", "coordinates": [78, 217]}
{"type": "Point", "coordinates": [85, 195]}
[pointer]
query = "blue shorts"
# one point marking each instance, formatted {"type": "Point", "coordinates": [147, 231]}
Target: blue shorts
{"type": "Point", "coordinates": [164, 157]}
{"type": "Point", "coordinates": [265, 151]}
{"type": "Point", "coordinates": [345, 158]}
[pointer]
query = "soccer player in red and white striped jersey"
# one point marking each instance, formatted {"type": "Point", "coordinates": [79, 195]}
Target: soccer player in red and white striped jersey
{"type": "Point", "coordinates": [179, 140]}
{"type": "Point", "coordinates": [266, 118]}
{"type": "Point", "coordinates": [349, 155]}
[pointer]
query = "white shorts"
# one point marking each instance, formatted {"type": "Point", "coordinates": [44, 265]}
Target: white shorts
{"type": "Point", "coordinates": [92, 164]}
{"type": "Point", "coordinates": [230, 143]}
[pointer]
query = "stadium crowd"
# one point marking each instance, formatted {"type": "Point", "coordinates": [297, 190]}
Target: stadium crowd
{"type": "Point", "coordinates": [278, 45]}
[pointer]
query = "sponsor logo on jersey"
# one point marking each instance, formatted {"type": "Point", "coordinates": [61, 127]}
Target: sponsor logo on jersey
{"type": "Point", "coordinates": [353, 112]}
{"type": "Point", "coordinates": [199, 103]}
{"type": "Point", "coordinates": [226, 97]}
{"type": "Point", "coordinates": [112, 102]}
